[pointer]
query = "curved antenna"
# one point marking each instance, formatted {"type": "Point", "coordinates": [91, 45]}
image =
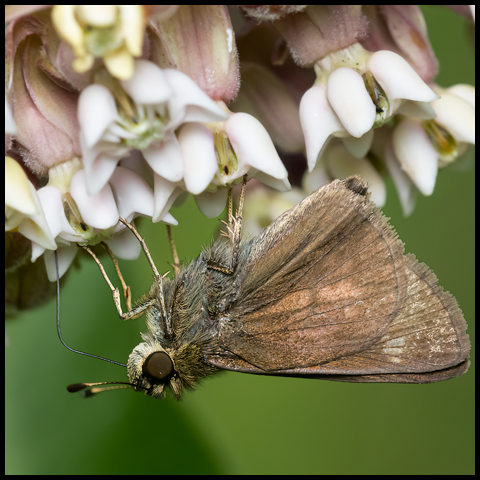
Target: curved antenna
{"type": "Point", "coordinates": [58, 325]}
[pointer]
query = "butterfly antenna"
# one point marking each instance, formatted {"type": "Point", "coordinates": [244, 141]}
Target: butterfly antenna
{"type": "Point", "coordinates": [91, 389]}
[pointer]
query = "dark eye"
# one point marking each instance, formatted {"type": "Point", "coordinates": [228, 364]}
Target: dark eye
{"type": "Point", "coordinates": [157, 367]}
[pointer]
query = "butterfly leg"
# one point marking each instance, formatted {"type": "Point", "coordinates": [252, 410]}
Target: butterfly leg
{"type": "Point", "coordinates": [157, 278]}
{"type": "Point", "coordinates": [234, 229]}
{"type": "Point", "coordinates": [143, 244]}
{"type": "Point", "coordinates": [176, 262]}
{"type": "Point", "coordinates": [132, 312]}
{"type": "Point", "coordinates": [127, 293]}
{"type": "Point", "coordinates": [237, 226]}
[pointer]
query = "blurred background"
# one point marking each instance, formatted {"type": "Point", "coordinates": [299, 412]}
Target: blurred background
{"type": "Point", "coordinates": [237, 423]}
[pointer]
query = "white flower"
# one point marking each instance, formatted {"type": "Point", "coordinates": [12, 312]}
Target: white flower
{"type": "Point", "coordinates": [214, 161]}
{"type": "Point", "coordinates": [422, 146]}
{"type": "Point", "coordinates": [74, 216]}
{"type": "Point", "coordinates": [112, 32]}
{"type": "Point", "coordinates": [144, 114]}
{"type": "Point", "coordinates": [338, 162]}
{"type": "Point", "coordinates": [455, 111]}
{"type": "Point", "coordinates": [406, 190]}
{"type": "Point", "coordinates": [350, 100]}
{"type": "Point", "coordinates": [416, 154]}
{"type": "Point", "coordinates": [23, 209]}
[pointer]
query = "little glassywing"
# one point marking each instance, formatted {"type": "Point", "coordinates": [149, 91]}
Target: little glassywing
{"type": "Point", "coordinates": [324, 292]}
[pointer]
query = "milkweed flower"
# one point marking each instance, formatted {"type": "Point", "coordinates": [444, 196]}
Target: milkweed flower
{"type": "Point", "coordinates": [143, 113]}
{"type": "Point", "coordinates": [217, 156]}
{"type": "Point", "coordinates": [217, 153]}
{"type": "Point", "coordinates": [48, 142]}
{"type": "Point", "coordinates": [240, 146]}
{"type": "Point", "coordinates": [122, 110]}
{"type": "Point", "coordinates": [423, 145]}
{"type": "Point", "coordinates": [75, 217]}
{"type": "Point", "coordinates": [355, 90]}
{"type": "Point", "coordinates": [111, 32]}
{"type": "Point", "coordinates": [374, 92]}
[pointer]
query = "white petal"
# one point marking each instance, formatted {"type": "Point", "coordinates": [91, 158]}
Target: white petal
{"type": "Point", "coordinates": [133, 20]}
{"type": "Point", "coordinates": [407, 193]}
{"type": "Point", "coordinates": [165, 158]}
{"type": "Point", "coordinates": [98, 15]}
{"type": "Point", "coordinates": [316, 178]}
{"type": "Point", "coordinates": [99, 165]}
{"type": "Point", "coordinates": [18, 194]}
{"type": "Point", "coordinates": [36, 230]}
{"type": "Point", "coordinates": [99, 210]}
{"type": "Point", "coordinates": [398, 79]}
{"type": "Point", "coordinates": [280, 184]}
{"type": "Point", "coordinates": [135, 161]}
{"type": "Point", "coordinates": [190, 99]}
{"type": "Point", "coordinates": [416, 155]}
{"type": "Point", "coordinates": [319, 121]}
{"type": "Point", "coordinates": [35, 227]}
{"type": "Point", "coordinates": [467, 92]}
{"type": "Point", "coordinates": [457, 116]}
{"type": "Point", "coordinates": [96, 112]}
{"type": "Point", "coordinates": [200, 163]}
{"type": "Point", "coordinates": [212, 204]}
{"type": "Point", "coordinates": [359, 147]}
{"type": "Point", "coordinates": [13, 218]}
{"type": "Point", "coordinates": [65, 256]}
{"type": "Point", "coordinates": [51, 200]}
{"type": "Point", "coordinates": [168, 218]}
{"type": "Point", "coordinates": [37, 250]}
{"type": "Point", "coordinates": [165, 193]}
{"type": "Point", "coordinates": [125, 245]}
{"type": "Point", "coordinates": [148, 84]}
{"type": "Point", "coordinates": [253, 146]}
{"type": "Point", "coordinates": [350, 100]}
{"type": "Point", "coordinates": [421, 110]}
{"type": "Point", "coordinates": [341, 164]}
{"type": "Point", "coordinates": [181, 199]}
{"type": "Point", "coordinates": [132, 194]}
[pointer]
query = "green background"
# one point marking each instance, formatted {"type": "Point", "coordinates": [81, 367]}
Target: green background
{"type": "Point", "coordinates": [238, 423]}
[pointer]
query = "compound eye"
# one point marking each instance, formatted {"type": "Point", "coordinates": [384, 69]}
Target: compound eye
{"type": "Point", "coordinates": [157, 367]}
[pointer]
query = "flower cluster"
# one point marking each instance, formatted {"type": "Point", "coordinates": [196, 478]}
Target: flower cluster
{"type": "Point", "coordinates": [117, 110]}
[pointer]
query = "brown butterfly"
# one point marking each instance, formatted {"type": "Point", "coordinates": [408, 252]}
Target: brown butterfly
{"type": "Point", "coordinates": [324, 292]}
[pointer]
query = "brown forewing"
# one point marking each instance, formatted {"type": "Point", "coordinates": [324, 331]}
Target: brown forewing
{"type": "Point", "coordinates": [426, 342]}
{"type": "Point", "coordinates": [324, 281]}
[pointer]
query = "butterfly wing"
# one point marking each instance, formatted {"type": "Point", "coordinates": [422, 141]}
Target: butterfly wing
{"type": "Point", "coordinates": [427, 341]}
{"type": "Point", "coordinates": [324, 281]}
